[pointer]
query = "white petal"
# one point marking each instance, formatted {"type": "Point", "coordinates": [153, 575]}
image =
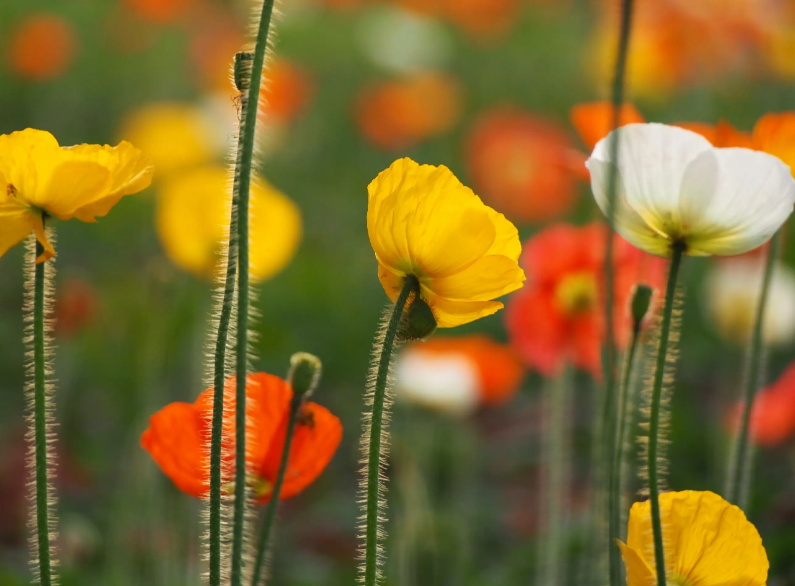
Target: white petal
{"type": "Point", "coordinates": [627, 222]}
{"type": "Point", "coordinates": [733, 200]}
{"type": "Point", "coordinates": [447, 384]}
{"type": "Point", "coordinates": [652, 160]}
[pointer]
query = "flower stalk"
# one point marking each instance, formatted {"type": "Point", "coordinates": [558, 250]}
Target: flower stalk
{"type": "Point", "coordinates": [304, 376]}
{"type": "Point", "coordinates": [654, 411]}
{"type": "Point", "coordinates": [246, 159]}
{"type": "Point", "coordinates": [738, 476]}
{"type": "Point", "coordinates": [373, 441]}
{"type": "Point", "coordinates": [38, 306]}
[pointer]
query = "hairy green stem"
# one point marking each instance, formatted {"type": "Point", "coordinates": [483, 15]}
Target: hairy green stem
{"type": "Point", "coordinates": [410, 286]}
{"type": "Point", "coordinates": [739, 472]}
{"type": "Point", "coordinates": [273, 505]}
{"type": "Point", "coordinates": [40, 423]}
{"type": "Point", "coordinates": [609, 351]}
{"type": "Point", "coordinates": [654, 412]}
{"type": "Point", "coordinates": [246, 159]}
{"type": "Point", "coordinates": [222, 339]}
{"type": "Point", "coordinates": [615, 484]}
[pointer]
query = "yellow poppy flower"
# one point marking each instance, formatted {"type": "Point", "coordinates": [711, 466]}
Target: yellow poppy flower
{"type": "Point", "coordinates": [422, 221]}
{"type": "Point", "coordinates": [708, 542]}
{"type": "Point", "coordinates": [39, 178]}
{"type": "Point", "coordinates": [193, 221]}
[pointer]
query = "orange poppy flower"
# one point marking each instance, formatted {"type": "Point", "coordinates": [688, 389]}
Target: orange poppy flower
{"type": "Point", "coordinates": [722, 135]}
{"type": "Point", "coordinates": [42, 47]}
{"type": "Point", "coordinates": [159, 11]}
{"type": "Point", "coordinates": [558, 318]}
{"type": "Point", "coordinates": [774, 133]}
{"type": "Point", "coordinates": [497, 370]}
{"type": "Point", "coordinates": [594, 120]}
{"type": "Point", "coordinates": [285, 92]}
{"type": "Point", "coordinates": [773, 413]}
{"type": "Point", "coordinates": [522, 165]}
{"type": "Point", "coordinates": [178, 435]}
{"type": "Point", "coordinates": [483, 18]}
{"type": "Point", "coordinates": [396, 115]}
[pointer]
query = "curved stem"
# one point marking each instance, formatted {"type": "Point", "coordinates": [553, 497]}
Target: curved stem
{"type": "Point", "coordinates": [246, 158]}
{"type": "Point", "coordinates": [376, 431]}
{"type": "Point", "coordinates": [273, 505]}
{"type": "Point", "coordinates": [614, 491]}
{"type": "Point", "coordinates": [738, 475]}
{"type": "Point", "coordinates": [654, 412]}
{"type": "Point", "coordinates": [40, 423]}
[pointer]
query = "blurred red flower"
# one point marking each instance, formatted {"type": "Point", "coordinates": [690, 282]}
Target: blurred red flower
{"type": "Point", "coordinates": [522, 165]}
{"type": "Point", "coordinates": [395, 115]}
{"type": "Point", "coordinates": [42, 47]}
{"type": "Point", "coordinates": [75, 307]}
{"type": "Point", "coordinates": [773, 413]}
{"type": "Point", "coordinates": [178, 436]}
{"type": "Point", "coordinates": [558, 318]}
{"type": "Point", "coordinates": [594, 120]}
{"type": "Point", "coordinates": [159, 11]}
{"type": "Point", "coordinates": [285, 92]}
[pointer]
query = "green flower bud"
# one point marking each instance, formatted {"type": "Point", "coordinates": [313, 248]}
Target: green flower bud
{"type": "Point", "coordinates": [304, 374]}
{"type": "Point", "coordinates": [419, 322]}
{"type": "Point", "coordinates": [641, 300]}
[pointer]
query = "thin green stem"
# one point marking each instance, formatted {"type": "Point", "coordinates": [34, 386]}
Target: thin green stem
{"type": "Point", "coordinates": [222, 339]}
{"type": "Point", "coordinates": [273, 505]}
{"type": "Point", "coordinates": [246, 159]}
{"type": "Point", "coordinates": [614, 490]}
{"type": "Point", "coordinates": [739, 472]}
{"type": "Point", "coordinates": [40, 423]}
{"type": "Point", "coordinates": [654, 412]}
{"type": "Point", "coordinates": [609, 352]}
{"type": "Point", "coordinates": [410, 286]}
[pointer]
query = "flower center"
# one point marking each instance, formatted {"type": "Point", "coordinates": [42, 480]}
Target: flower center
{"type": "Point", "coordinates": [11, 191]}
{"type": "Point", "coordinates": [576, 293]}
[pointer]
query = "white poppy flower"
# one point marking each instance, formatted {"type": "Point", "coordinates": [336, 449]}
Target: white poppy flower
{"type": "Point", "coordinates": [732, 291]}
{"type": "Point", "coordinates": [447, 384]}
{"type": "Point", "coordinates": [674, 187]}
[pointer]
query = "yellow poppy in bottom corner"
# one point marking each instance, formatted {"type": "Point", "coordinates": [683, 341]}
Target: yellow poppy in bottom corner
{"type": "Point", "coordinates": [708, 542]}
{"type": "Point", "coordinates": [193, 211]}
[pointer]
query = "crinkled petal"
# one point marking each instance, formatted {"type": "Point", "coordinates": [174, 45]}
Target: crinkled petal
{"type": "Point", "coordinates": [72, 184]}
{"type": "Point", "coordinates": [490, 277]}
{"type": "Point", "coordinates": [733, 200]}
{"type": "Point", "coordinates": [653, 159]}
{"type": "Point", "coordinates": [27, 157]}
{"type": "Point", "coordinates": [450, 313]}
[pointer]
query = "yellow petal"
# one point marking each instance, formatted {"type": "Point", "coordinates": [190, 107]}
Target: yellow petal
{"type": "Point", "coordinates": [27, 158]}
{"type": "Point", "coordinates": [490, 277]}
{"type": "Point", "coordinates": [41, 236]}
{"type": "Point", "coordinates": [423, 217]}
{"type": "Point", "coordinates": [14, 227]}
{"type": "Point", "coordinates": [130, 172]}
{"type": "Point", "coordinates": [506, 241]}
{"type": "Point", "coordinates": [638, 571]}
{"type": "Point", "coordinates": [450, 313]}
{"type": "Point", "coordinates": [707, 541]}
{"type": "Point", "coordinates": [71, 184]}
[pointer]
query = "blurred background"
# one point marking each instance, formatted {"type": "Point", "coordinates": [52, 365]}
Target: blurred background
{"type": "Point", "coordinates": [485, 87]}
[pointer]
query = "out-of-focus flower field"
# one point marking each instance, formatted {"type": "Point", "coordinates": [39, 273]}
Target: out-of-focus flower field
{"type": "Point", "coordinates": [504, 93]}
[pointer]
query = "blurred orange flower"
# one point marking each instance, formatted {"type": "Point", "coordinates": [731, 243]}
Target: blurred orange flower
{"type": "Point", "coordinates": [42, 47]}
{"type": "Point", "coordinates": [285, 92]}
{"type": "Point", "coordinates": [178, 437]}
{"type": "Point", "coordinates": [522, 165]}
{"type": "Point", "coordinates": [159, 11]}
{"type": "Point", "coordinates": [773, 413]}
{"type": "Point", "coordinates": [774, 133]}
{"type": "Point", "coordinates": [558, 318]}
{"type": "Point", "coordinates": [484, 18]}
{"type": "Point", "coordinates": [722, 135]}
{"type": "Point", "coordinates": [399, 114]}
{"type": "Point", "coordinates": [497, 370]}
{"type": "Point", "coordinates": [212, 49]}
{"type": "Point", "coordinates": [594, 120]}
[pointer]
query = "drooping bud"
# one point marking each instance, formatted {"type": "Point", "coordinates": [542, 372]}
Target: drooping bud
{"type": "Point", "coordinates": [641, 300]}
{"type": "Point", "coordinates": [304, 373]}
{"type": "Point", "coordinates": [419, 322]}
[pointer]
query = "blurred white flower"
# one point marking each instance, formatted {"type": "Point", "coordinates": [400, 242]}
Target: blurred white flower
{"type": "Point", "coordinates": [404, 42]}
{"type": "Point", "coordinates": [444, 383]}
{"type": "Point", "coordinates": [675, 187]}
{"type": "Point", "coordinates": [731, 294]}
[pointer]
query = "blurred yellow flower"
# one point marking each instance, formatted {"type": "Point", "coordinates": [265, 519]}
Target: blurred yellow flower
{"type": "Point", "coordinates": [192, 218]}
{"type": "Point", "coordinates": [422, 221]}
{"type": "Point", "coordinates": [708, 542]}
{"type": "Point", "coordinates": [39, 178]}
{"type": "Point", "coordinates": [176, 135]}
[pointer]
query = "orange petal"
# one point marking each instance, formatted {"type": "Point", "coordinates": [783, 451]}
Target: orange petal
{"type": "Point", "coordinates": [774, 133]}
{"type": "Point", "coordinates": [594, 121]}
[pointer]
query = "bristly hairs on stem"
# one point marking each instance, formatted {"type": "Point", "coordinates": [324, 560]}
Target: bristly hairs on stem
{"type": "Point", "coordinates": [241, 538]}
{"type": "Point", "coordinates": [739, 471]}
{"type": "Point", "coordinates": [39, 393]}
{"type": "Point", "coordinates": [375, 436]}
{"type": "Point", "coordinates": [609, 350]}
